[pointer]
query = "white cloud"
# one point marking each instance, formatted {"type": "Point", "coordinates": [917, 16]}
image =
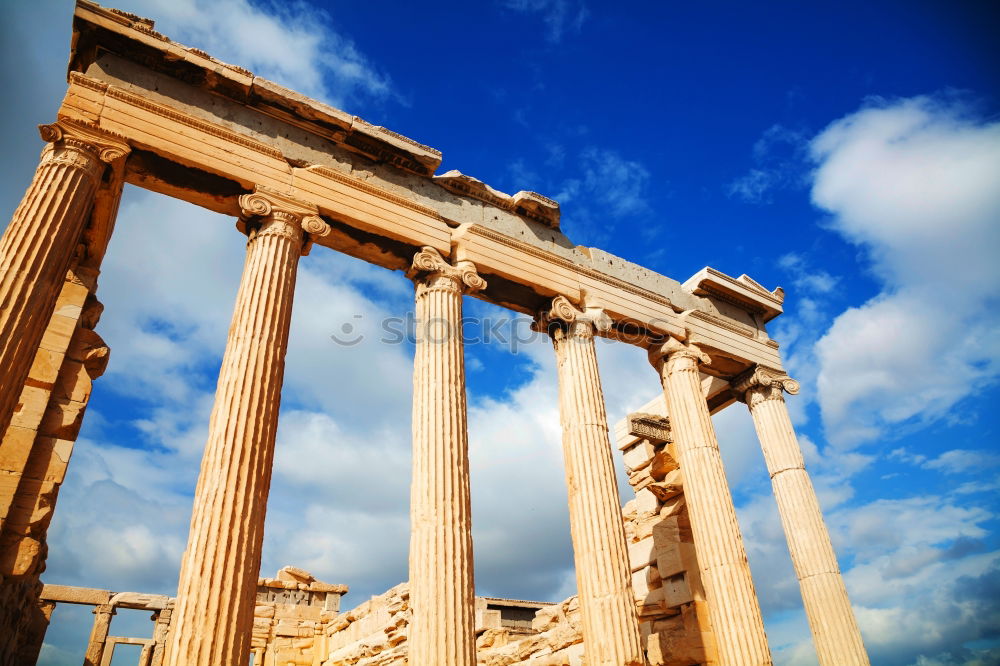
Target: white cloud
{"type": "Point", "coordinates": [921, 579]}
{"type": "Point", "coordinates": [914, 183]}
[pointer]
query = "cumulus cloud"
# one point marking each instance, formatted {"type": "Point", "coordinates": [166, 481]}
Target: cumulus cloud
{"type": "Point", "coordinates": [914, 184]}
{"type": "Point", "coordinates": [921, 578]}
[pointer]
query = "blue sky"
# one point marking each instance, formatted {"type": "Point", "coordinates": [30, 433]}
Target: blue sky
{"type": "Point", "coordinates": [847, 151]}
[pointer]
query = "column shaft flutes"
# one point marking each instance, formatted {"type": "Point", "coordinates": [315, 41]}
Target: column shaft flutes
{"type": "Point", "coordinates": [40, 241]}
{"type": "Point", "coordinates": [218, 580]}
{"type": "Point", "coordinates": [603, 574]}
{"type": "Point", "coordinates": [442, 592]}
{"type": "Point", "coordinates": [835, 631]}
{"type": "Point", "coordinates": [725, 571]}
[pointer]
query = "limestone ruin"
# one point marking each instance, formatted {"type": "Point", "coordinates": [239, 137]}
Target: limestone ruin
{"type": "Point", "coordinates": [664, 582]}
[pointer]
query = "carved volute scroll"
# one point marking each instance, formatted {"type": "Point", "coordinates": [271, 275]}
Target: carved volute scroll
{"type": "Point", "coordinates": [430, 270]}
{"type": "Point", "coordinates": [267, 211]}
{"type": "Point", "coordinates": [759, 384]}
{"type": "Point", "coordinates": [76, 144]}
{"type": "Point", "coordinates": [564, 319]}
{"type": "Point", "coordinates": [672, 352]}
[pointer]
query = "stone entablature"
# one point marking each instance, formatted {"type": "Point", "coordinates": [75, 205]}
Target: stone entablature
{"type": "Point", "coordinates": [372, 185]}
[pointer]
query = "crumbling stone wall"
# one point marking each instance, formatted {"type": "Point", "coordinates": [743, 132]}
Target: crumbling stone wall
{"type": "Point", "coordinates": [290, 617]}
{"type": "Point", "coordinates": [673, 613]}
{"type": "Point", "coordinates": [34, 454]}
{"type": "Point", "coordinates": [555, 639]}
{"type": "Point", "coordinates": [374, 633]}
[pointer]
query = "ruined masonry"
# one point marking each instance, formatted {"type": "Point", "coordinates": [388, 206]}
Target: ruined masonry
{"type": "Point", "coordinates": [664, 581]}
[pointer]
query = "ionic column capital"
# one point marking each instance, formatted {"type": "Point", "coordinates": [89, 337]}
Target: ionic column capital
{"type": "Point", "coordinates": [105, 146]}
{"type": "Point", "coordinates": [671, 353]}
{"type": "Point", "coordinates": [429, 269]}
{"type": "Point", "coordinates": [564, 319]}
{"type": "Point", "coordinates": [760, 383]}
{"type": "Point", "coordinates": [278, 214]}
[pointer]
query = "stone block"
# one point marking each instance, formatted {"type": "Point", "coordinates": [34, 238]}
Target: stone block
{"type": "Point", "coordinates": [32, 507]}
{"type": "Point", "coordinates": [295, 574]}
{"type": "Point", "coordinates": [665, 490]}
{"type": "Point", "coordinates": [59, 333]}
{"type": "Point", "coordinates": [639, 455]}
{"type": "Point", "coordinates": [662, 464]}
{"type": "Point", "coordinates": [640, 554]}
{"type": "Point", "coordinates": [672, 644]}
{"type": "Point", "coordinates": [675, 558]}
{"type": "Point", "coordinates": [71, 299]}
{"type": "Point", "coordinates": [645, 581]}
{"type": "Point", "coordinates": [487, 619]}
{"type": "Point", "coordinates": [667, 531]}
{"type": "Point", "coordinates": [21, 556]}
{"type": "Point", "coordinates": [76, 595]}
{"type": "Point", "coordinates": [49, 459]}
{"type": "Point", "coordinates": [646, 502]}
{"type": "Point", "coordinates": [16, 448]}
{"type": "Point", "coordinates": [45, 366]}
{"type": "Point", "coordinates": [31, 406]}
{"type": "Point", "coordinates": [672, 507]}
{"type": "Point", "coordinates": [676, 590]}
{"type": "Point", "coordinates": [652, 605]}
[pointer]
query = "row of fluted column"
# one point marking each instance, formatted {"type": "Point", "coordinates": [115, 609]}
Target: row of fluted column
{"type": "Point", "coordinates": [213, 616]}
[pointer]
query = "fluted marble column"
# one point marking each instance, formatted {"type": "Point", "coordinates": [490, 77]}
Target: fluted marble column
{"type": "Point", "coordinates": [603, 574]}
{"type": "Point", "coordinates": [213, 615]}
{"type": "Point", "coordinates": [831, 619]}
{"type": "Point", "coordinates": [442, 593]}
{"type": "Point", "coordinates": [98, 634]}
{"type": "Point", "coordinates": [725, 572]}
{"type": "Point", "coordinates": [40, 241]}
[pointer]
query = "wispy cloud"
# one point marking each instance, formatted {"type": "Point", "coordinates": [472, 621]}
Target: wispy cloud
{"type": "Point", "coordinates": [619, 183]}
{"type": "Point", "coordinates": [295, 44]}
{"type": "Point", "coordinates": [601, 187]}
{"type": "Point", "coordinates": [958, 461]}
{"type": "Point", "coordinates": [561, 17]}
{"type": "Point", "coordinates": [778, 156]}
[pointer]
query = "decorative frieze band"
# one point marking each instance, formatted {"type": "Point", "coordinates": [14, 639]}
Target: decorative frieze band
{"type": "Point", "coordinates": [653, 427]}
{"type": "Point", "coordinates": [191, 121]}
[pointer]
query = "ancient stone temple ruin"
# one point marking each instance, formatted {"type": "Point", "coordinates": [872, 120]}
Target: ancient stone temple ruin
{"type": "Point", "coordinates": [664, 581]}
